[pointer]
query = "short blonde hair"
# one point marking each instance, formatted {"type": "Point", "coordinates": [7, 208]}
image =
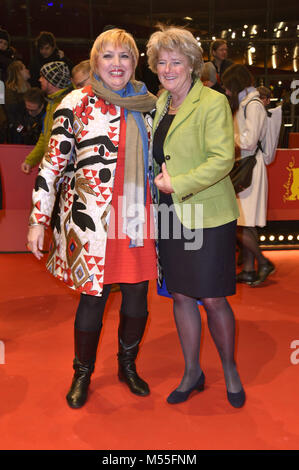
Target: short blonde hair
{"type": "Point", "coordinates": [83, 66]}
{"type": "Point", "coordinates": [175, 38]}
{"type": "Point", "coordinates": [116, 37]}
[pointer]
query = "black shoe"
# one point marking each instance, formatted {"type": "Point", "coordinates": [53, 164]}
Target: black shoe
{"type": "Point", "coordinates": [130, 333]}
{"type": "Point", "coordinates": [247, 277]}
{"type": "Point", "coordinates": [237, 400]}
{"type": "Point", "coordinates": [264, 271]}
{"type": "Point", "coordinates": [77, 394]}
{"type": "Point", "coordinates": [179, 397]}
{"type": "Point", "coordinates": [86, 343]}
{"type": "Point", "coordinates": [127, 373]}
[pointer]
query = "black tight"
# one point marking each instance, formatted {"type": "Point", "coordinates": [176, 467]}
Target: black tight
{"type": "Point", "coordinates": [188, 323]}
{"type": "Point", "coordinates": [90, 310]}
{"type": "Point", "coordinates": [221, 324]}
{"type": "Point", "coordinates": [248, 238]}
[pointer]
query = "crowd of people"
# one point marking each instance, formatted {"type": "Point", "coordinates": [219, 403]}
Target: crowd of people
{"type": "Point", "coordinates": [100, 138]}
{"type": "Point", "coordinates": [23, 111]}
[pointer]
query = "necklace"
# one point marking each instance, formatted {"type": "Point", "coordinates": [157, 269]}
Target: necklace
{"type": "Point", "coordinates": [173, 108]}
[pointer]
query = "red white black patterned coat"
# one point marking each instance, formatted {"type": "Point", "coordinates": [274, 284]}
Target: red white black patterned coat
{"type": "Point", "coordinates": [83, 153]}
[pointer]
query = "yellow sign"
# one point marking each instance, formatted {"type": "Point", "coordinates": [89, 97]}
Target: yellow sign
{"type": "Point", "coordinates": [292, 185]}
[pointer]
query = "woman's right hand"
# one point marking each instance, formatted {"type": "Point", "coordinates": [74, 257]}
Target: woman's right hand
{"type": "Point", "coordinates": [36, 240]}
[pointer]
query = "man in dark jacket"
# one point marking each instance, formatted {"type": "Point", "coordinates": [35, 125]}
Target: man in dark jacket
{"type": "Point", "coordinates": [28, 127]}
{"type": "Point", "coordinates": [46, 51]}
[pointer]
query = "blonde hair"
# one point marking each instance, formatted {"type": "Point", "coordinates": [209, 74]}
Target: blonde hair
{"type": "Point", "coordinates": [83, 66]}
{"type": "Point", "coordinates": [175, 38]}
{"type": "Point", "coordinates": [116, 37]}
{"type": "Point", "coordinates": [15, 80]}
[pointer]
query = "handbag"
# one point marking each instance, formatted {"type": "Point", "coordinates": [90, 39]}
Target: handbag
{"type": "Point", "coordinates": [241, 173]}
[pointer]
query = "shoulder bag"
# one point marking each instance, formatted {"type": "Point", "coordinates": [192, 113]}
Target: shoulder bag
{"type": "Point", "coordinates": [241, 173]}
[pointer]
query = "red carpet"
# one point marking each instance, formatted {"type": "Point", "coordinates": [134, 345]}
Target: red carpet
{"type": "Point", "coordinates": [36, 333]}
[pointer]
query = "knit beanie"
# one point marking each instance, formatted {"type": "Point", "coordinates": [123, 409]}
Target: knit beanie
{"type": "Point", "coordinates": [56, 73]}
{"type": "Point", "coordinates": [4, 35]}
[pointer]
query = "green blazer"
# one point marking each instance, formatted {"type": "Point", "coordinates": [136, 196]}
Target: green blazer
{"type": "Point", "coordinates": [199, 154]}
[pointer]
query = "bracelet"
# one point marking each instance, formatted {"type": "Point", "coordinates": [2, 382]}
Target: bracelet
{"type": "Point", "coordinates": [35, 224]}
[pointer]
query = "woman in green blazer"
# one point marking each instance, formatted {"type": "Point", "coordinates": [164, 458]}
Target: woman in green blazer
{"type": "Point", "coordinates": [193, 149]}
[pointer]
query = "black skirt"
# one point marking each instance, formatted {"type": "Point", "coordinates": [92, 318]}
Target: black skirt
{"type": "Point", "coordinates": [205, 272]}
{"type": "Point", "coordinates": [208, 271]}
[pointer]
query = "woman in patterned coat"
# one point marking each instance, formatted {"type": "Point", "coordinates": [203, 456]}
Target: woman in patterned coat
{"type": "Point", "coordinates": [98, 152]}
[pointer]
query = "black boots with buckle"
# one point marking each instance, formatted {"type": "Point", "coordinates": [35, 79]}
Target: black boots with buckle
{"type": "Point", "coordinates": [86, 343]}
{"type": "Point", "coordinates": [130, 333]}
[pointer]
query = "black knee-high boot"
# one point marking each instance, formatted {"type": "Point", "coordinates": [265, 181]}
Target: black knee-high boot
{"type": "Point", "coordinates": [86, 343]}
{"type": "Point", "coordinates": [130, 333]}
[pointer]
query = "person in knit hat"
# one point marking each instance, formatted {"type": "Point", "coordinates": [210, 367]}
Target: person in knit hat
{"type": "Point", "coordinates": [57, 74]}
{"type": "Point", "coordinates": [55, 80]}
{"type": "Point", "coordinates": [46, 51]}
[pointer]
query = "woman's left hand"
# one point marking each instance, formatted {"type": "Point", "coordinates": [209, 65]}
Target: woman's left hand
{"type": "Point", "coordinates": [163, 182]}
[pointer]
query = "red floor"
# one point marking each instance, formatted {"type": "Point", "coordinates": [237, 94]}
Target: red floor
{"type": "Point", "coordinates": [36, 344]}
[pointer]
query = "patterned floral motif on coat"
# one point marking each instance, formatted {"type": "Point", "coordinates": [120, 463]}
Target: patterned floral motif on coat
{"type": "Point", "coordinates": [80, 162]}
